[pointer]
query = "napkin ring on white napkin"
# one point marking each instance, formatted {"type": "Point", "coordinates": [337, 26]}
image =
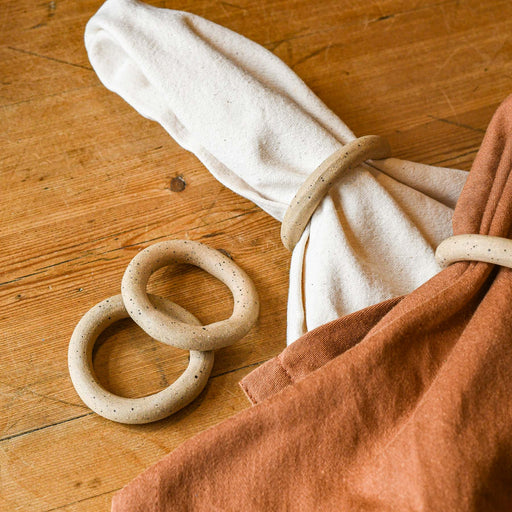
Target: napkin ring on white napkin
{"type": "Point", "coordinates": [318, 183]}
{"type": "Point", "coordinates": [489, 249]}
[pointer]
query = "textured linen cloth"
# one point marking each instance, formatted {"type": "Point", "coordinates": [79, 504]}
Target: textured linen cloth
{"type": "Point", "coordinates": [260, 131]}
{"type": "Point", "coordinates": [404, 406]}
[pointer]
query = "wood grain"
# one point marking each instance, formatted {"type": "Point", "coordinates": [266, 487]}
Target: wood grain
{"type": "Point", "coordinates": [86, 183]}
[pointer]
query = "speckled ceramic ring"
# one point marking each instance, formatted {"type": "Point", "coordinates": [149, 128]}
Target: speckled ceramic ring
{"type": "Point", "coordinates": [132, 410]}
{"type": "Point", "coordinates": [490, 249]}
{"type": "Point", "coordinates": [318, 183]}
{"type": "Point", "coordinates": [160, 326]}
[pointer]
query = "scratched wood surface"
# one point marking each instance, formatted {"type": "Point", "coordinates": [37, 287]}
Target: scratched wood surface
{"type": "Point", "coordinates": [86, 183]}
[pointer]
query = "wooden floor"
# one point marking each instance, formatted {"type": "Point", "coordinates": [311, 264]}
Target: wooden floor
{"type": "Point", "coordinates": [86, 183]}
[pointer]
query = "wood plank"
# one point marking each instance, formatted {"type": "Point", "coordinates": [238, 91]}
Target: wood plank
{"type": "Point", "coordinates": [68, 462]}
{"type": "Point", "coordinates": [96, 502]}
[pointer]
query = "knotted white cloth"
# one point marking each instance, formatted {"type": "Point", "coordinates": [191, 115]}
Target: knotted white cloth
{"type": "Point", "coordinates": [260, 131]}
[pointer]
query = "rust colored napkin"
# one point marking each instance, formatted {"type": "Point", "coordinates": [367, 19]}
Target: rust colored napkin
{"type": "Point", "coordinates": [404, 406]}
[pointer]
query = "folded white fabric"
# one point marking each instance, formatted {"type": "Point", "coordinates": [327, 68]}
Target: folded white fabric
{"type": "Point", "coordinates": [260, 131]}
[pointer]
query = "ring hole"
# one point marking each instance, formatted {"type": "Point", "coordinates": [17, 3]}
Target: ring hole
{"type": "Point", "coordinates": [129, 363]}
{"type": "Point", "coordinates": [207, 298]}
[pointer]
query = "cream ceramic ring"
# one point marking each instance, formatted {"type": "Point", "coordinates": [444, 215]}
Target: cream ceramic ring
{"type": "Point", "coordinates": [166, 329]}
{"type": "Point", "coordinates": [489, 249]}
{"type": "Point", "coordinates": [318, 183]}
{"type": "Point", "coordinates": [131, 410]}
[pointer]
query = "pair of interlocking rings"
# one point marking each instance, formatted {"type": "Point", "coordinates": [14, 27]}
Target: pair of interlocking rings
{"type": "Point", "coordinates": [165, 322]}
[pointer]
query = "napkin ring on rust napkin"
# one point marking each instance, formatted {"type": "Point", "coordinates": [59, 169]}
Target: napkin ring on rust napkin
{"type": "Point", "coordinates": [489, 249]}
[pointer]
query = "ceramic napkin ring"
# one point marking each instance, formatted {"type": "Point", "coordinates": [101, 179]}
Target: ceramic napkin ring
{"type": "Point", "coordinates": [166, 322]}
{"type": "Point", "coordinates": [318, 183]}
{"type": "Point", "coordinates": [489, 249]}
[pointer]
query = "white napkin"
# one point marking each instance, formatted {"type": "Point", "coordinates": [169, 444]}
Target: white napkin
{"type": "Point", "coordinates": [260, 131]}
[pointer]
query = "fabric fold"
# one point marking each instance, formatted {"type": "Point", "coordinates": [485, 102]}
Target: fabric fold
{"type": "Point", "coordinates": [260, 131]}
{"type": "Point", "coordinates": [312, 351]}
{"type": "Point", "coordinates": [406, 408]}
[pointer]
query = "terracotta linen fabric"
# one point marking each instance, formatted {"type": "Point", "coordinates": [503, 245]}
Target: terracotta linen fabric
{"type": "Point", "coordinates": [313, 350]}
{"type": "Point", "coordinates": [400, 407]}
